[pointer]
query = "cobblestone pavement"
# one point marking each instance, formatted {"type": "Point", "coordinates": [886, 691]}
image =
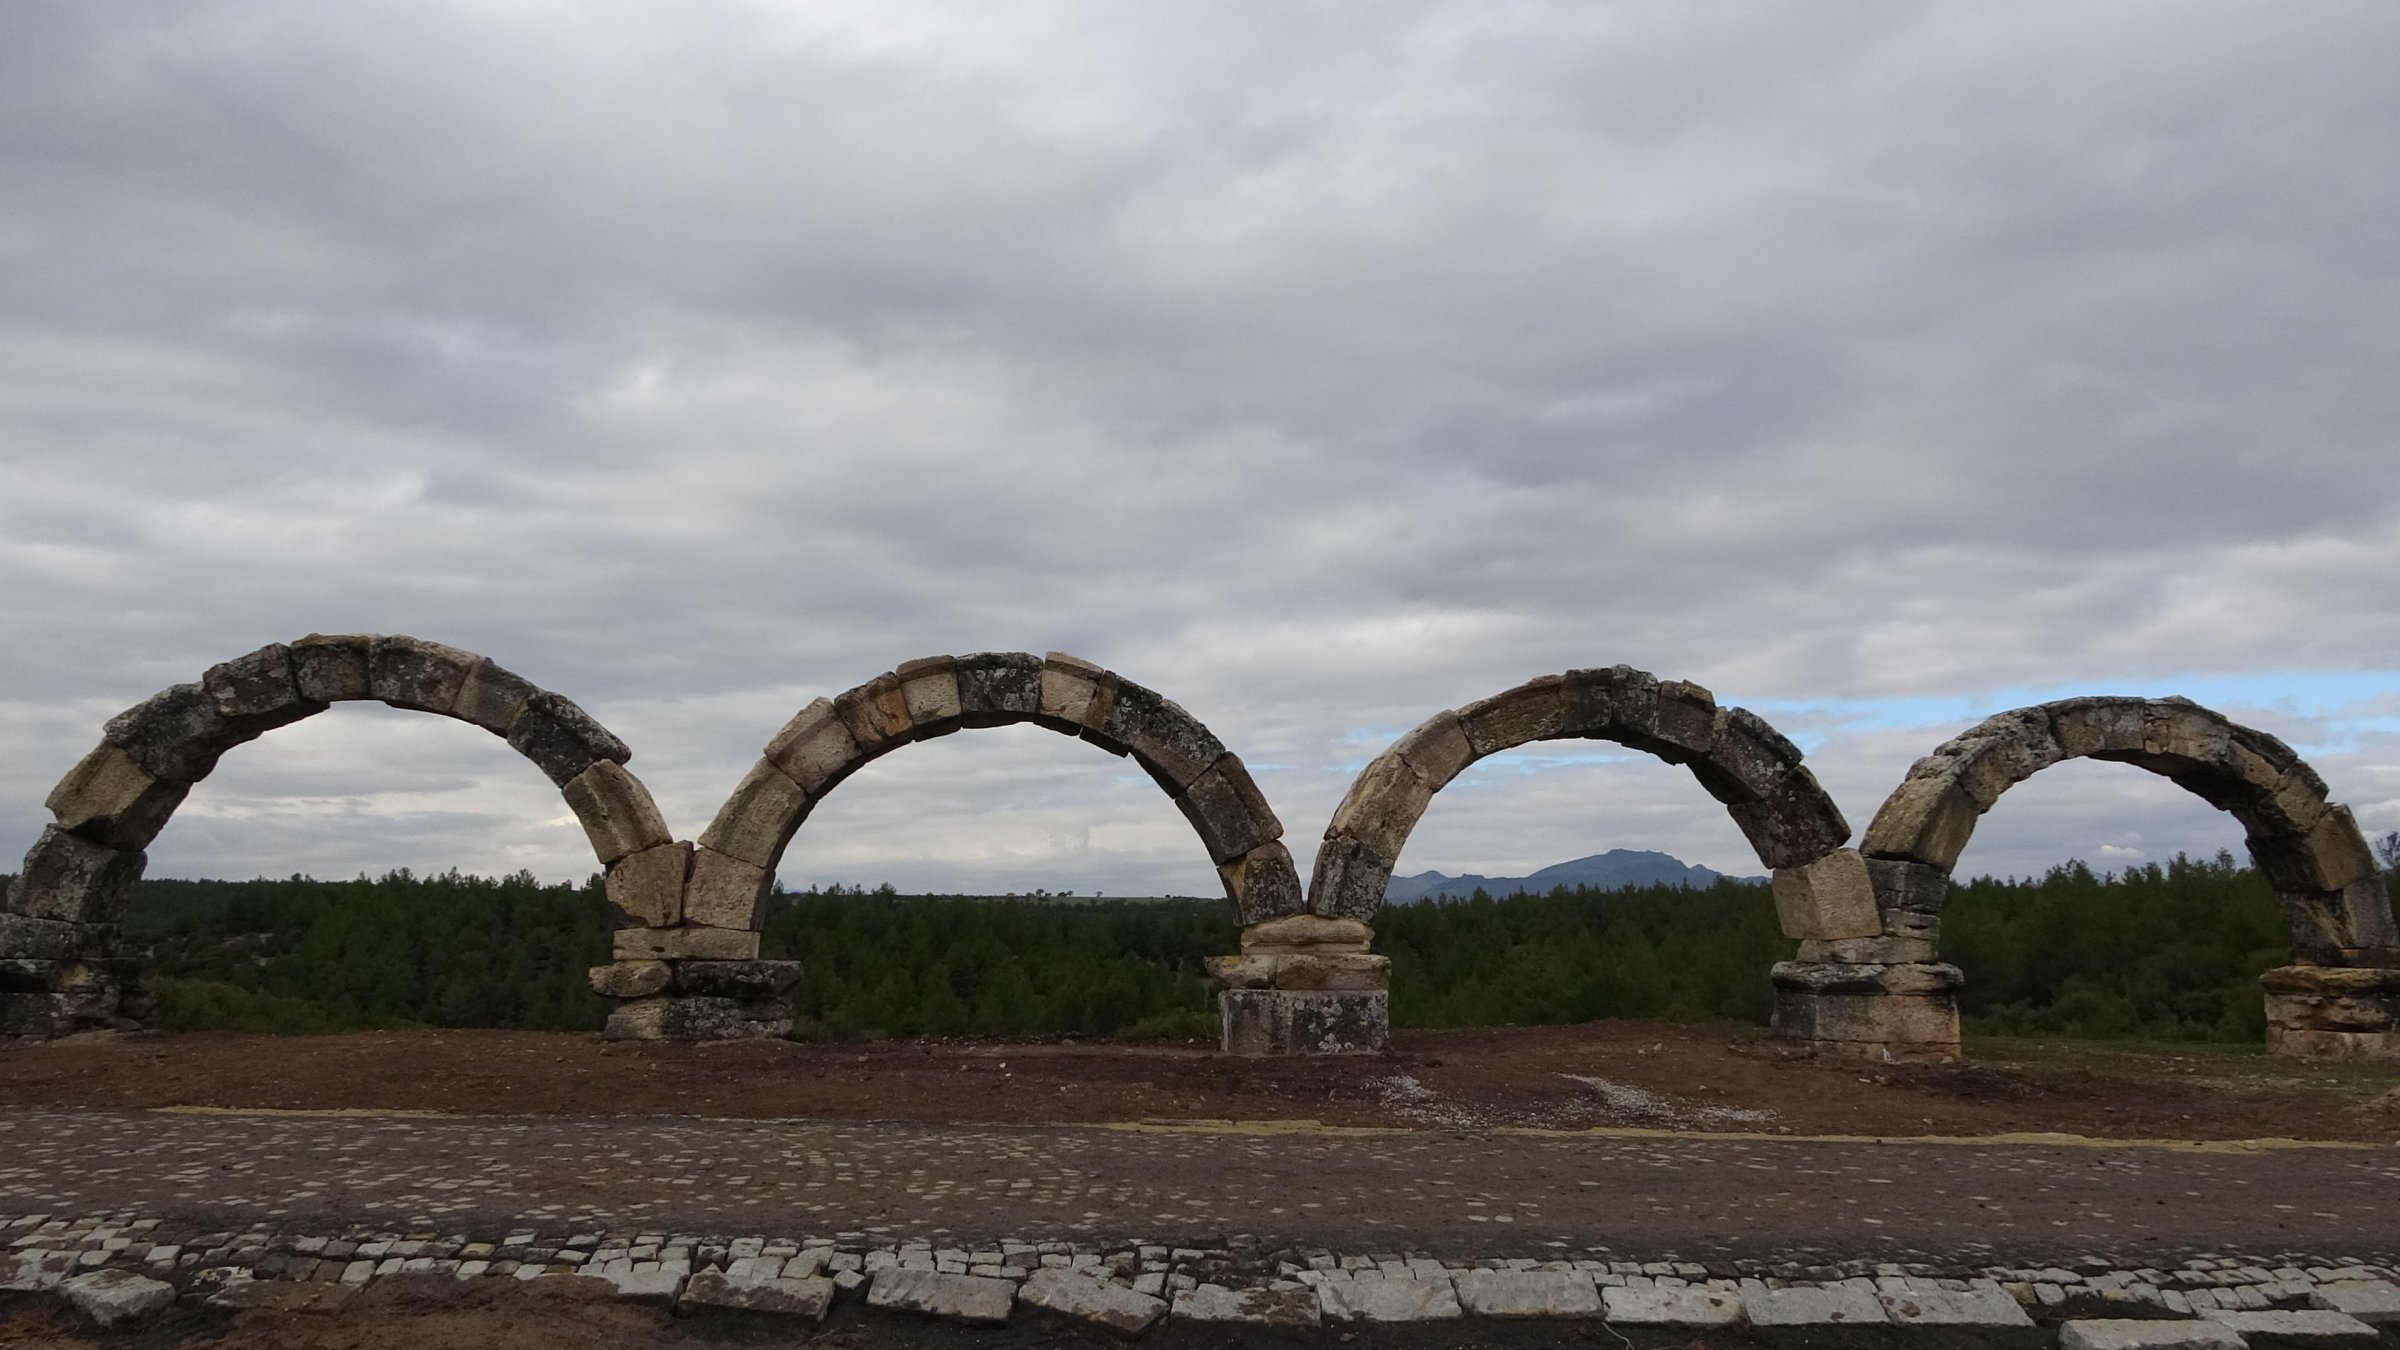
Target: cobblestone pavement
{"type": "Point", "coordinates": [1692, 1197]}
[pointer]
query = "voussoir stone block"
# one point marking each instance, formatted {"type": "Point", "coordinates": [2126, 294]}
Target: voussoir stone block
{"type": "Point", "coordinates": [492, 696]}
{"type": "Point", "coordinates": [332, 667]}
{"type": "Point", "coordinates": [1167, 741]}
{"type": "Point", "coordinates": [1533, 711]}
{"type": "Point", "coordinates": [1832, 897]}
{"type": "Point", "coordinates": [2098, 728]}
{"type": "Point", "coordinates": [1438, 749]}
{"type": "Point", "coordinates": [75, 880]}
{"type": "Point", "coordinates": [876, 714]}
{"type": "Point", "coordinates": [1748, 761]}
{"type": "Point", "coordinates": [1685, 725]}
{"type": "Point", "coordinates": [176, 734]}
{"type": "Point", "coordinates": [2340, 851]}
{"type": "Point", "coordinates": [929, 686]}
{"type": "Point", "coordinates": [1263, 884]}
{"type": "Point", "coordinates": [409, 672]}
{"type": "Point", "coordinates": [1075, 694]}
{"type": "Point", "coordinates": [645, 888]}
{"type": "Point", "coordinates": [616, 812]}
{"type": "Point", "coordinates": [999, 688]}
{"type": "Point", "coordinates": [1349, 881]}
{"type": "Point", "coordinates": [1383, 804]}
{"type": "Point", "coordinates": [631, 979]}
{"type": "Point", "coordinates": [1227, 810]}
{"type": "Point", "coordinates": [724, 892]}
{"type": "Point", "coordinates": [1902, 886]}
{"type": "Point", "coordinates": [2179, 735]}
{"type": "Point", "coordinates": [687, 943]}
{"type": "Point", "coordinates": [2003, 752]}
{"type": "Point", "coordinates": [1929, 818]}
{"type": "Point", "coordinates": [562, 739]}
{"type": "Point", "coordinates": [815, 748]}
{"type": "Point", "coordinates": [1794, 824]}
{"type": "Point", "coordinates": [259, 689]}
{"type": "Point", "coordinates": [758, 820]}
{"type": "Point", "coordinates": [110, 799]}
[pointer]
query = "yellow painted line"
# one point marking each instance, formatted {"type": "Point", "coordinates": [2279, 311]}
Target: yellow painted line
{"type": "Point", "coordinates": [2018, 1139]}
{"type": "Point", "coordinates": [317, 1113]}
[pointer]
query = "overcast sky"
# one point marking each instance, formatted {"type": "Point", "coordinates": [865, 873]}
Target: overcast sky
{"type": "Point", "coordinates": [1322, 366]}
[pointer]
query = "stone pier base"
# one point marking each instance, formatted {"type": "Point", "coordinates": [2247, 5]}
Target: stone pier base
{"type": "Point", "coordinates": [1903, 1013]}
{"type": "Point", "coordinates": [2333, 1013]}
{"type": "Point", "coordinates": [695, 1000]}
{"type": "Point", "coordinates": [1304, 985]}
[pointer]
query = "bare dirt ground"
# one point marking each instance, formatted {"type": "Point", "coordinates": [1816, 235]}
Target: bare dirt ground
{"type": "Point", "coordinates": [1609, 1074]}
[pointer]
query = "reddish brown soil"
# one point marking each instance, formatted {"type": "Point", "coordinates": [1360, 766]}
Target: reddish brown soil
{"type": "Point", "coordinates": [1604, 1074]}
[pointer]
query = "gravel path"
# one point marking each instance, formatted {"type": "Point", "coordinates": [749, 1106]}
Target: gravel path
{"type": "Point", "coordinates": [1693, 1197]}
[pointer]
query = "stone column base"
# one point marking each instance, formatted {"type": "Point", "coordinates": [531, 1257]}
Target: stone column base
{"type": "Point", "coordinates": [1894, 1014]}
{"type": "Point", "coordinates": [696, 1000]}
{"type": "Point", "coordinates": [2333, 1013]}
{"type": "Point", "coordinates": [43, 999]}
{"type": "Point", "coordinates": [1305, 1022]}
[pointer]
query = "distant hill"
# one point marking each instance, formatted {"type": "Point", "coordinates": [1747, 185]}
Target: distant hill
{"type": "Point", "coordinates": [1616, 870]}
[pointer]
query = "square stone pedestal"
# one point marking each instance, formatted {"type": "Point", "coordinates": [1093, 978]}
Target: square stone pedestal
{"type": "Point", "coordinates": [2333, 1013]}
{"type": "Point", "coordinates": [1305, 1022]}
{"type": "Point", "coordinates": [1905, 1013]}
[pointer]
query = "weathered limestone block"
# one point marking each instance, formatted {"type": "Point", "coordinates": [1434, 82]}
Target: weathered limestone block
{"type": "Point", "coordinates": [1587, 704]}
{"type": "Point", "coordinates": [1793, 825]}
{"type": "Point", "coordinates": [1294, 1022]}
{"type": "Point", "coordinates": [1895, 1013]}
{"type": "Point", "coordinates": [492, 696]}
{"type": "Point", "coordinates": [2333, 998]}
{"type": "Point", "coordinates": [332, 668]}
{"type": "Point", "coordinates": [2290, 806]}
{"type": "Point", "coordinates": [758, 820]}
{"type": "Point", "coordinates": [1167, 741]}
{"type": "Point", "coordinates": [2122, 1333]}
{"type": "Point", "coordinates": [1227, 810]}
{"type": "Point", "coordinates": [1685, 727]}
{"type": "Point", "coordinates": [2003, 752]}
{"type": "Point", "coordinates": [1527, 1293]}
{"type": "Point", "coordinates": [1342, 1297]}
{"type": "Point", "coordinates": [2317, 923]}
{"type": "Point", "coordinates": [1438, 749]}
{"type": "Point", "coordinates": [631, 979]}
{"type": "Point", "coordinates": [1927, 819]}
{"type": "Point", "coordinates": [996, 689]}
{"type": "Point", "coordinates": [1351, 971]}
{"type": "Point", "coordinates": [1631, 697]}
{"type": "Point", "coordinates": [562, 739]}
{"type": "Point", "coordinates": [1349, 880]}
{"type": "Point", "coordinates": [1832, 897]}
{"type": "Point", "coordinates": [2340, 851]}
{"type": "Point", "coordinates": [109, 1297]}
{"type": "Point", "coordinates": [1914, 924]}
{"type": "Point", "coordinates": [748, 1291]}
{"type": "Point", "coordinates": [929, 686]}
{"type": "Point", "coordinates": [110, 799]}
{"type": "Point", "coordinates": [60, 1014]}
{"type": "Point", "coordinates": [2180, 736]}
{"type": "Point", "coordinates": [28, 975]}
{"type": "Point", "coordinates": [1870, 978]}
{"type": "Point", "coordinates": [1075, 695]}
{"type": "Point", "coordinates": [1904, 886]}
{"type": "Point", "coordinates": [724, 892]}
{"type": "Point", "coordinates": [646, 888]}
{"type": "Point", "coordinates": [683, 1017]}
{"type": "Point", "coordinates": [616, 811]}
{"type": "Point", "coordinates": [1071, 1293]}
{"type": "Point", "coordinates": [75, 880]}
{"type": "Point", "coordinates": [57, 939]}
{"type": "Point", "coordinates": [1749, 760]}
{"type": "Point", "coordinates": [815, 749]}
{"type": "Point", "coordinates": [978, 1299]}
{"type": "Point", "coordinates": [2331, 1047]}
{"type": "Point", "coordinates": [687, 943]}
{"type": "Point", "coordinates": [2366, 914]}
{"type": "Point", "coordinates": [1383, 804]}
{"type": "Point", "coordinates": [2098, 728]}
{"type": "Point", "coordinates": [259, 691]}
{"type": "Point", "coordinates": [1263, 884]}
{"type": "Point", "coordinates": [1307, 933]}
{"type": "Point", "coordinates": [742, 981]}
{"type": "Point", "coordinates": [1533, 711]}
{"type": "Point", "coordinates": [1886, 950]}
{"type": "Point", "coordinates": [1256, 1306]}
{"type": "Point", "coordinates": [176, 734]}
{"type": "Point", "coordinates": [409, 672]}
{"type": "Point", "coordinates": [876, 714]}
{"type": "Point", "coordinates": [1665, 1305]}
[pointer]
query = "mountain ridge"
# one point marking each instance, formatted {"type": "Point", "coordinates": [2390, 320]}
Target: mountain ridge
{"type": "Point", "coordinates": [1617, 869]}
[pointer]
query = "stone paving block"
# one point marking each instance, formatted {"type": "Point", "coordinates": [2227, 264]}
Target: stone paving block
{"type": "Point", "coordinates": [1812, 1306]}
{"type": "Point", "coordinates": [109, 1297]}
{"type": "Point", "coordinates": [1915, 1303]}
{"type": "Point", "coordinates": [967, 1298]}
{"type": "Point", "coordinates": [2313, 1324]}
{"type": "Point", "coordinates": [1347, 1299]}
{"type": "Point", "coordinates": [1269, 1307]}
{"type": "Point", "coordinates": [2117, 1333]}
{"type": "Point", "coordinates": [1668, 1306]}
{"type": "Point", "coordinates": [1527, 1293]}
{"type": "Point", "coordinates": [753, 1291]}
{"type": "Point", "coordinates": [2366, 1300]}
{"type": "Point", "coordinates": [1072, 1294]}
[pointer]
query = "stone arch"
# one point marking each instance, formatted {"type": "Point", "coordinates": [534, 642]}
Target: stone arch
{"type": "Point", "coordinates": [1738, 758]}
{"type": "Point", "coordinates": [2309, 848]}
{"type": "Point", "coordinates": [61, 952]}
{"type": "Point", "coordinates": [832, 738]}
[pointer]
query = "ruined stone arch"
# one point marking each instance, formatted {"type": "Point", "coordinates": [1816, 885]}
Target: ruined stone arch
{"type": "Point", "coordinates": [2309, 848]}
{"type": "Point", "coordinates": [1739, 759]}
{"type": "Point", "coordinates": [60, 938]}
{"type": "Point", "coordinates": [832, 738]}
